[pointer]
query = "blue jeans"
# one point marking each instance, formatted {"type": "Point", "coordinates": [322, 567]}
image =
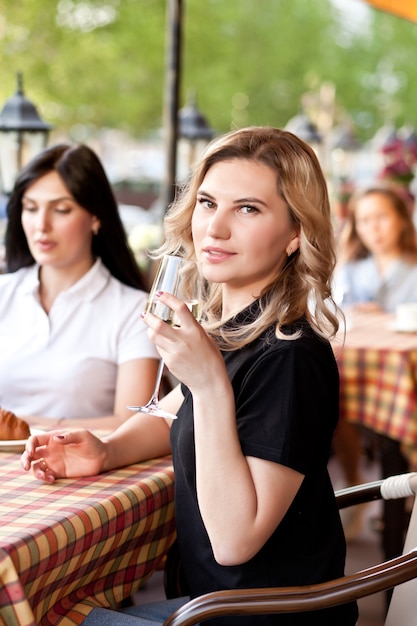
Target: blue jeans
{"type": "Point", "coordinates": [153, 614]}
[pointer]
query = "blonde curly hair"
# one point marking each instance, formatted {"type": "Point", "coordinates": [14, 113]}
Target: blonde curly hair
{"type": "Point", "coordinates": [303, 286]}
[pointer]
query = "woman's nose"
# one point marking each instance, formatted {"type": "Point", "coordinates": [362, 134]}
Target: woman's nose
{"type": "Point", "coordinates": [218, 226]}
{"type": "Point", "coordinates": [42, 221]}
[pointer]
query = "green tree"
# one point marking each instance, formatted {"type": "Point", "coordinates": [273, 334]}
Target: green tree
{"type": "Point", "coordinates": [101, 63]}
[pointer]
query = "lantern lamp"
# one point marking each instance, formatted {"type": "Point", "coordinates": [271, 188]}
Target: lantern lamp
{"type": "Point", "coordinates": [23, 134]}
{"type": "Point", "coordinates": [194, 131]}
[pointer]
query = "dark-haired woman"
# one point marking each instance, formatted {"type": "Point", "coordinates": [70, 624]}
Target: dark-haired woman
{"type": "Point", "coordinates": [72, 344]}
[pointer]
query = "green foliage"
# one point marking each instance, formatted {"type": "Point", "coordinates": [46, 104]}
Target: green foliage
{"type": "Point", "coordinates": [101, 63]}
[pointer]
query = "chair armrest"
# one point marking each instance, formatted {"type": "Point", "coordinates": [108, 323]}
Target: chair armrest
{"type": "Point", "coordinates": [297, 599]}
{"type": "Point", "coordinates": [359, 494]}
{"type": "Point", "coordinates": [393, 487]}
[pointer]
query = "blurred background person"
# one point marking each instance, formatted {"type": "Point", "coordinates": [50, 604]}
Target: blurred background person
{"type": "Point", "coordinates": [377, 267]}
{"type": "Point", "coordinates": [377, 270]}
{"type": "Point", "coordinates": [72, 342]}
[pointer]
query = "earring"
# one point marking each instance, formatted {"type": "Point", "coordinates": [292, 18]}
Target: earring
{"type": "Point", "coordinates": [289, 251]}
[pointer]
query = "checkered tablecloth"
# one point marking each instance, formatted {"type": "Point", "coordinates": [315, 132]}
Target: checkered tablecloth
{"type": "Point", "coordinates": [378, 376]}
{"type": "Point", "coordinates": [76, 544]}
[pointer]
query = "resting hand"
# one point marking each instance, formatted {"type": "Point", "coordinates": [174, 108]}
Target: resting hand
{"type": "Point", "coordinates": [63, 454]}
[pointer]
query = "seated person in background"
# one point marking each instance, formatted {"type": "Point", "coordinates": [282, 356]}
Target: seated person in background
{"type": "Point", "coordinates": [72, 342]}
{"type": "Point", "coordinates": [377, 267]}
{"type": "Point", "coordinates": [259, 395]}
{"type": "Point", "coordinates": [377, 270]}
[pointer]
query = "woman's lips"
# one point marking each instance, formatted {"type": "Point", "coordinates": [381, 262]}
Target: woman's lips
{"type": "Point", "coordinates": [216, 255]}
{"type": "Point", "coordinates": [45, 245]}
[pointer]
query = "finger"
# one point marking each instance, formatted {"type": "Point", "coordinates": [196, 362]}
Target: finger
{"type": "Point", "coordinates": [168, 298]}
{"type": "Point", "coordinates": [33, 450]}
{"type": "Point", "coordinates": [37, 453]}
{"type": "Point", "coordinates": [180, 316]}
{"type": "Point", "coordinates": [174, 303]}
{"type": "Point", "coordinates": [43, 472]}
{"type": "Point", "coordinates": [66, 437]}
{"type": "Point", "coordinates": [25, 461]}
{"type": "Point", "coordinates": [34, 441]}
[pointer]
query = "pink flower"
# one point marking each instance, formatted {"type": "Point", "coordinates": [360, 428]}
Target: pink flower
{"type": "Point", "coordinates": [401, 159]}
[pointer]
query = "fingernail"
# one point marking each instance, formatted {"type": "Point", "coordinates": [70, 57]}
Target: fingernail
{"type": "Point", "coordinates": [60, 436]}
{"type": "Point", "coordinates": [159, 293]}
{"type": "Point", "coordinates": [143, 314]}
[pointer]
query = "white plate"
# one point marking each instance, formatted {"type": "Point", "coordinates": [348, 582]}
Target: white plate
{"type": "Point", "coordinates": [401, 329]}
{"type": "Point", "coordinates": [17, 445]}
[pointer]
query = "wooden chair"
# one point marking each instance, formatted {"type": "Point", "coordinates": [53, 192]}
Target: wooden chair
{"type": "Point", "coordinates": [392, 574]}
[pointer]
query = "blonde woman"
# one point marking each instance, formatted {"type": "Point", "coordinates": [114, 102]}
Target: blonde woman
{"type": "Point", "coordinates": [258, 399]}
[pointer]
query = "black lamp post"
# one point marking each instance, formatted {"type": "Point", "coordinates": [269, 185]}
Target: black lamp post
{"type": "Point", "coordinates": [23, 134]}
{"type": "Point", "coordinates": [193, 129]}
{"type": "Point", "coordinates": [305, 129]}
{"type": "Point", "coordinates": [192, 123]}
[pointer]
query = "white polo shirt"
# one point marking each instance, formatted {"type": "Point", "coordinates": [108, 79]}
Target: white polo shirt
{"type": "Point", "coordinates": [65, 364]}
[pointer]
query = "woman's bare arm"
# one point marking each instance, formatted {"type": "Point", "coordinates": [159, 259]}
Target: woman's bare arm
{"type": "Point", "coordinates": [73, 453]}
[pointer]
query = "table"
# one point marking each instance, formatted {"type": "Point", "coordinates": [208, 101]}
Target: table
{"type": "Point", "coordinates": [378, 390]}
{"type": "Point", "coordinates": [80, 543]}
{"type": "Point", "coordinates": [378, 371]}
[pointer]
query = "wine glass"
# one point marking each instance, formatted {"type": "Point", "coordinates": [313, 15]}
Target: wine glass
{"type": "Point", "coordinates": [175, 275]}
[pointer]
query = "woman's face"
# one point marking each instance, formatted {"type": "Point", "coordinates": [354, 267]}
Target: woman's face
{"type": "Point", "coordinates": [58, 230]}
{"type": "Point", "coordinates": [241, 228]}
{"type": "Point", "coordinates": [378, 225]}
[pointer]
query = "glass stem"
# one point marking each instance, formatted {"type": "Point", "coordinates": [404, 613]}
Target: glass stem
{"type": "Point", "coordinates": [155, 395]}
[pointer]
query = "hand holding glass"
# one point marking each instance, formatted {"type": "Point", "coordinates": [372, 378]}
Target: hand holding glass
{"type": "Point", "coordinates": [173, 276]}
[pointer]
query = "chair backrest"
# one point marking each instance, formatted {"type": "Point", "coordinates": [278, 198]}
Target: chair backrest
{"type": "Point", "coordinates": [403, 606]}
{"type": "Point", "coordinates": [380, 577]}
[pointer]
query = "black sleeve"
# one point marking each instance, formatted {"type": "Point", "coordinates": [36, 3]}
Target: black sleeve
{"type": "Point", "coordinates": [287, 405]}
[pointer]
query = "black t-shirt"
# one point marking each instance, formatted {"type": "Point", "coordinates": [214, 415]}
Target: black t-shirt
{"type": "Point", "coordinates": [287, 399]}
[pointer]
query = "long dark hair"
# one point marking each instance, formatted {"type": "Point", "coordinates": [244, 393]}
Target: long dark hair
{"type": "Point", "coordinates": [83, 174]}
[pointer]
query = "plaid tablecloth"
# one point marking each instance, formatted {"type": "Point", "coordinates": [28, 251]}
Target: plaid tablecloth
{"type": "Point", "coordinates": [378, 375]}
{"type": "Point", "coordinates": [68, 547]}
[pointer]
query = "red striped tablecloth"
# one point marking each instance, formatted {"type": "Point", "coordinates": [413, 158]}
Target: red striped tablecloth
{"type": "Point", "coordinates": [378, 376]}
{"type": "Point", "coordinates": [76, 544]}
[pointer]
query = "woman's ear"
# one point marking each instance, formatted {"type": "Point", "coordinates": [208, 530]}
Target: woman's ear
{"type": "Point", "coordinates": [293, 245]}
{"type": "Point", "coordinates": [95, 225]}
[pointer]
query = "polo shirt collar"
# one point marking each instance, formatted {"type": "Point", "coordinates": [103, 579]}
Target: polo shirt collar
{"type": "Point", "coordinates": [86, 288]}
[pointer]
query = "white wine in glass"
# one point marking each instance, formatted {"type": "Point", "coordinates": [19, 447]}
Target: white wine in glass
{"type": "Point", "coordinates": [177, 276]}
